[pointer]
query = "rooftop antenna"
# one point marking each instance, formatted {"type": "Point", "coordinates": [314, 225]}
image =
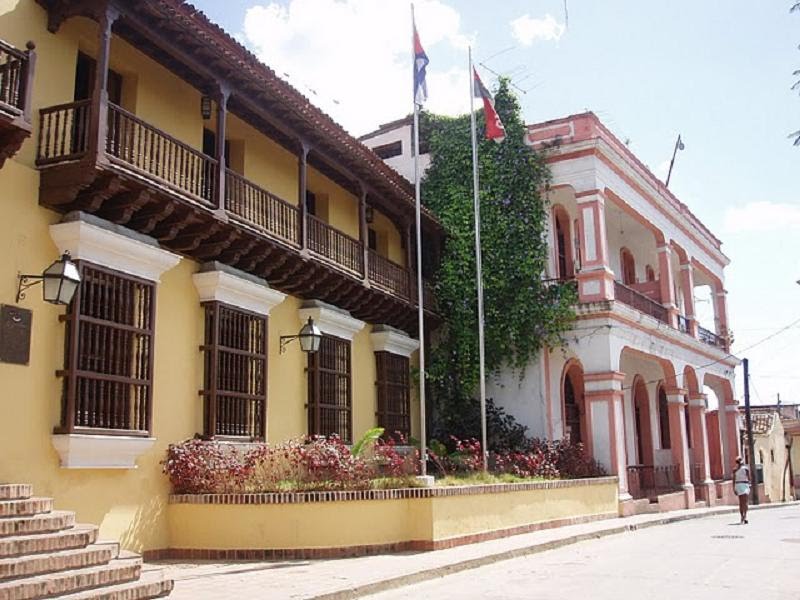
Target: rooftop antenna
{"type": "Point", "coordinates": [496, 74]}
{"type": "Point", "coordinates": [678, 146]}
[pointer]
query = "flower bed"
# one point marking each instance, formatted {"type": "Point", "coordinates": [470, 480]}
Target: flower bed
{"type": "Point", "coordinates": [327, 464]}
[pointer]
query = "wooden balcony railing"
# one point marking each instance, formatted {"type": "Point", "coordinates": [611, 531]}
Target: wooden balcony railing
{"type": "Point", "coordinates": [15, 79]}
{"type": "Point", "coordinates": [710, 338]}
{"type": "Point", "coordinates": [152, 152]}
{"type": "Point", "coordinates": [261, 209]}
{"type": "Point", "coordinates": [640, 302]}
{"type": "Point", "coordinates": [63, 132]}
{"type": "Point", "coordinates": [335, 245]}
{"type": "Point", "coordinates": [388, 274]}
{"type": "Point", "coordinates": [136, 146]}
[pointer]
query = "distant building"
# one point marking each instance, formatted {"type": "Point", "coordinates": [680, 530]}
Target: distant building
{"type": "Point", "coordinates": [629, 384]}
{"type": "Point", "coordinates": [772, 458]}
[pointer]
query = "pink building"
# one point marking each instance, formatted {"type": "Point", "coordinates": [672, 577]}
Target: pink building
{"type": "Point", "coordinates": [630, 382]}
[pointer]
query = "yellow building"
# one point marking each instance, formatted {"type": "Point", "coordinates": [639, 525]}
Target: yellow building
{"type": "Point", "coordinates": [211, 210]}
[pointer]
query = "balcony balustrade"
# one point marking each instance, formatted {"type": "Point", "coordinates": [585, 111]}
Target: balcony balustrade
{"type": "Point", "coordinates": [140, 150]}
{"type": "Point", "coordinates": [640, 302]}
{"type": "Point", "coordinates": [16, 81]}
{"type": "Point", "coordinates": [710, 338]}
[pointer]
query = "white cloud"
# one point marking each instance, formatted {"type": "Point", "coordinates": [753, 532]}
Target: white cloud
{"type": "Point", "coordinates": [763, 216]}
{"type": "Point", "coordinates": [352, 58]}
{"type": "Point", "coordinates": [527, 30]}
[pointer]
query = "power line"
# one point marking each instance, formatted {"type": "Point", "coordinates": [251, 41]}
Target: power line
{"type": "Point", "coordinates": [730, 354]}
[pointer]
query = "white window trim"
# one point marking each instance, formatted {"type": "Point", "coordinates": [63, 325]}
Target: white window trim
{"type": "Point", "coordinates": [394, 342]}
{"type": "Point", "coordinates": [220, 286]}
{"type": "Point", "coordinates": [332, 321]}
{"type": "Point", "coordinates": [87, 451]}
{"type": "Point", "coordinates": [86, 241]}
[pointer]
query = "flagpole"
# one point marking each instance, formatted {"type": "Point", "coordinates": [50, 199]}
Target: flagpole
{"type": "Point", "coordinates": [423, 442]}
{"type": "Point", "coordinates": [478, 266]}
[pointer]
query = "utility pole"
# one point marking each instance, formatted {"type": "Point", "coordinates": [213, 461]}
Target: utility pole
{"type": "Point", "coordinates": [748, 423]}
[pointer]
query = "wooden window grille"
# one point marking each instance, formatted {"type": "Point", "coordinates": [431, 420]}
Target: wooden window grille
{"type": "Point", "coordinates": [108, 358]}
{"type": "Point", "coordinates": [394, 393]}
{"type": "Point", "coordinates": [235, 379]}
{"type": "Point", "coordinates": [330, 396]}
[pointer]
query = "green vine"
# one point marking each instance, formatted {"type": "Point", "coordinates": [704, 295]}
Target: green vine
{"type": "Point", "coordinates": [523, 313]}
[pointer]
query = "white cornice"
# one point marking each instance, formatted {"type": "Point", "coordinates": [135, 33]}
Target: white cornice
{"type": "Point", "coordinates": [393, 341]}
{"type": "Point", "coordinates": [224, 287]}
{"type": "Point", "coordinates": [332, 321]}
{"type": "Point", "coordinates": [86, 241]}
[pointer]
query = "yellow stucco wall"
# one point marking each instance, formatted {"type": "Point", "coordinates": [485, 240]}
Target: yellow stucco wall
{"type": "Point", "coordinates": [356, 523]}
{"type": "Point", "coordinates": [131, 505]}
{"type": "Point", "coordinates": [457, 516]}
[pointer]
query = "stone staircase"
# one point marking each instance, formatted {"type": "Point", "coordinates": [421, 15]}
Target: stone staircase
{"type": "Point", "coordinates": [43, 554]}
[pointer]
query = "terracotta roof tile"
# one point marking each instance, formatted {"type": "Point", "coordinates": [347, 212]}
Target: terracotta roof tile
{"type": "Point", "coordinates": [316, 119]}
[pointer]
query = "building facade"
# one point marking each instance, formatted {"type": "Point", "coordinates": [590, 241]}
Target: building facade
{"type": "Point", "coordinates": [629, 382]}
{"type": "Point", "coordinates": [211, 209]}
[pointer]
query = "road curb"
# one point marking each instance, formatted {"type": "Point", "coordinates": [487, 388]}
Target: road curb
{"type": "Point", "coordinates": [473, 563]}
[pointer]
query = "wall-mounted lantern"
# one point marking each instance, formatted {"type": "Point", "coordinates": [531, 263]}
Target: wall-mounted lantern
{"type": "Point", "coordinates": [59, 281]}
{"type": "Point", "coordinates": [205, 107]}
{"type": "Point", "coordinates": [310, 337]}
{"type": "Point", "coordinates": [369, 214]}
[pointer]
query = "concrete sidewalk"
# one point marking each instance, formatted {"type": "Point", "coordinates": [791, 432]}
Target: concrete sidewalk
{"type": "Point", "coordinates": [355, 577]}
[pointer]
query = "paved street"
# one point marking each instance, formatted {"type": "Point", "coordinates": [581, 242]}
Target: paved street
{"type": "Point", "coordinates": [707, 557]}
{"type": "Point", "coordinates": [702, 558]}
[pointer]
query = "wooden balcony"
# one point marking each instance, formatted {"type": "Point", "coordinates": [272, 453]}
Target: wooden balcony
{"type": "Point", "coordinates": [16, 80]}
{"type": "Point", "coordinates": [640, 302]}
{"type": "Point", "coordinates": [133, 174]}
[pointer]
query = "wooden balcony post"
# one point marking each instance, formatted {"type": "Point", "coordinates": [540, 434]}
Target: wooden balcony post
{"type": "Point", "coordinates": [362, 230]}
{"type": "Point", "coordinates": [27, 85]}
{"type": "Point", "coordinates": [99, 119]}
{"type": "Point", "coordinates": [302, 159]}
{"type": "Point", "coordinates": [222, 117]}
{"type": "Point", "coordinates": [412, 276]}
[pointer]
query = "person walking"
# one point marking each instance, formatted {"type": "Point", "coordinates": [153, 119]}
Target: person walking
{"type": "Point", "coordinates": [741, 487]}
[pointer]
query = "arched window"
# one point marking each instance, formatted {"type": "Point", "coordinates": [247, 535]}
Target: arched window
{"type": "Point", "coordinates": [663, 419]}
{"type": "Point", "coordinates": [563, 243]}
{"type": "Point", "coordinates": [628, 266]}
{"type": "Point", "coordinates": [650, 273]}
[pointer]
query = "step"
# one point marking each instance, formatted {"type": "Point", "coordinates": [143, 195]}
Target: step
{"type": "Point", "coordinates": [46, 523]}
{"type": "Point", "coordinates": [55, 585]}
{"type": "Point", "coordinates": [150, 585]}
{"type": "Point", "coordinates": [700, 504]}
{"type": "Point", "coordinates": [15, 491]}
{"type": "Point", "coordinates": [79, 536]}
{"type": "Point", "coordinates": [25, 507]}
{"type": "Point", "coordinates": [63, 560]}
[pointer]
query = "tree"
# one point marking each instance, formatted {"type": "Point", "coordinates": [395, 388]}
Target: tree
{"type": "Point", "coordinates": [523, 312]}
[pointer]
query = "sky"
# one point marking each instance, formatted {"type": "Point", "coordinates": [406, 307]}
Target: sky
{"type": "Point", "coordinates": [717, 73]}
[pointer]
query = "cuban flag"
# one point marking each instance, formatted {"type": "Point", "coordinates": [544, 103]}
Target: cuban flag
{"type": "Point", "coordinates": [420, 64]}
{"type": "Point", "coordinates": [494, 126]}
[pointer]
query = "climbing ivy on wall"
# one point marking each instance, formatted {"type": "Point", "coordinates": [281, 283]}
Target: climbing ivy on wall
{"type": "Point", "coordinates": [522, 312]}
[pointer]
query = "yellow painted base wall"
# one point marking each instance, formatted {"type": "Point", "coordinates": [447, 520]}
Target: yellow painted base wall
{"type": "Point", "coordinates": [341, 524]}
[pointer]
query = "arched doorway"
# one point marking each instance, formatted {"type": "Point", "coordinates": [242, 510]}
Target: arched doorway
{"type": "Point", "coordinates": [644, 434]}
{"type": "Point", "coordinates": [573, 403]}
